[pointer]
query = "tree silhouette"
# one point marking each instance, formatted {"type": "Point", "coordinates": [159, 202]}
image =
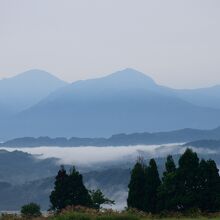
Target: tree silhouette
{"type": "Point", "coordinates": [187, 177]}
{"type": "Point", "coordinates": [69, 190]}
{"type": "Point", "coordinates": [167, 190]}
{"type": "Point", "coordinates": [209, 183]}
{"type": "Point", "coordinates": [58, 197]}
{"type": "Point", "coordinates": [136, 193]}
{"type": "Point", "coordinates": [151, 187]}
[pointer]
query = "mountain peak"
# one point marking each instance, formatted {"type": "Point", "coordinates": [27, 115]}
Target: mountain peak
{"type": "Point", "coordinates": [28, 88]}
{"type": "Point", "coordinates": [131, 76]}
{"type": "Point", "coordinates": [131, 73]}
{"type": "Point", "coordinates": [35, 74]}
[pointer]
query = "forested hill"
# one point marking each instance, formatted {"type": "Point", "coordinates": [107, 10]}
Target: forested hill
{"type": "Point", "coordinates": [178, 136]}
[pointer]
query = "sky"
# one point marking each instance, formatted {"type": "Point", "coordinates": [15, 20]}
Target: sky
{"type": "Point", "coordinates": [176, 42]}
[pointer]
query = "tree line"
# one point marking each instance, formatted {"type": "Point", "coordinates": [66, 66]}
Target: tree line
{"type": "Point", "coordinates": [194, 184]}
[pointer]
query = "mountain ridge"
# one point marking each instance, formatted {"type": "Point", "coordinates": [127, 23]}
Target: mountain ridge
{"type": "Point", "coordinates": [178, 136]}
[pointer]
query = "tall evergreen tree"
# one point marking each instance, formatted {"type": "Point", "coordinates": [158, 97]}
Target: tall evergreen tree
{"type": "Point", "coordinates": [152, 184]}
{"type": "Point", "coordinates": [77, 192]}
{"type": "Point", "coordinates": [59, 194]}
{"type": "Point", "coordinates": [167, 190]}
{"type": "Point", "coordinates": [69, 190]}
{"type": "Point", "coordinates": [209, 186]}
{"type": "Point", "coordinates": [187, 177]}
{"type": "Point", "coordinates": [136, 193]}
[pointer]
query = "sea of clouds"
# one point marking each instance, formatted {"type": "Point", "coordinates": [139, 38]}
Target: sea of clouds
{"type": "Point", "coordinates": [90, 155]}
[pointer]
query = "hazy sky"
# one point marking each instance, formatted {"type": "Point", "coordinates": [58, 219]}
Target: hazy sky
{"type": "Point", "coordinates": [177, 42]}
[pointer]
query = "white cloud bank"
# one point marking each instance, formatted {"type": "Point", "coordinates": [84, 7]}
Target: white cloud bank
{"type": "Point", "coordinates": [91, 155]}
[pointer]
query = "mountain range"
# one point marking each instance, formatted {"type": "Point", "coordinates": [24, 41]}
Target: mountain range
{"type": "Point", "coordinates": [192, 137]}
{"type": "Point", "coordinates": [36, 103]}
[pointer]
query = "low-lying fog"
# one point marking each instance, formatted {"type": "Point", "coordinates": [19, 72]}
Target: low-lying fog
{"type": "Point", "coordinates": [93, 155]}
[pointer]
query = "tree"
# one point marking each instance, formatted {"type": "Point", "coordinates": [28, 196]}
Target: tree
{"type": "Point", "coordinates": [187, 180]}
{"type": "Point", "coordinates": [77, 192]}
{"type": "Point", "coordinates": [167, 190]}
{"type": "Point", "coordinates": [136, 193]}
{"type": "Point", "coordinates": [58, 197]}
{"type": "Point", "coordinates": [98, 198]}
{"type": "Point", "coordinates": [152, 184]}
{"type": "Point", "coordinates": [170, 166]}
{"type": "Point", "coordinates": [69, 190]}
{"type": "Point", "coordinates": [30, 210]}
{"type": "Point", "coordinates": [209, 186]}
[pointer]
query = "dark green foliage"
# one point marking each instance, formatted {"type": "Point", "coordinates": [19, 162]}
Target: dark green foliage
{"type": "Point", "coordinates": [193, 185]}
{"type": "Point", "coordinates": [168, 189]}
{"type": "Point", "coordinates": [98, 198]}
{"type": "Point", "coordinates": [30, 210]}
{"type": "Point", "coordinates": [59, 195]}
{"type": "Point", "coordinates": [69, 190]}
{"type": "Point", "coordinates": [77, 194]}
{"type": "Point", "coordinates": [187, 180]}
{"type": "Point", "coordinates": [136, 193]}
{"type": "Point", "coordinates": [143, 187]}
{"type": "Point", "coordinates": [209, 186]}
{"type": "Point", "coordinates": [152, 183]}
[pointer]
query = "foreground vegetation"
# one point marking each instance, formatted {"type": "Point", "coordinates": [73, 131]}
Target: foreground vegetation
{"type": "Point", "coordinates": [83, 213]}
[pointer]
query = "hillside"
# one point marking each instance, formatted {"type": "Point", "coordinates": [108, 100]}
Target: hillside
{"type": "Point", "coordinates": [17, 167]}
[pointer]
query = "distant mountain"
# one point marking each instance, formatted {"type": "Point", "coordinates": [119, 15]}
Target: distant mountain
{"type": "Point", "coordinates": [178, 136]}
{"type": "Point", "coordinates": [123, 102]}
{"type": "Point", "coordinates": [126, 101]}
{"type": "Point", "coordinates": [209, 144]}
{"type": "Point", "coordinates": [26, 89]}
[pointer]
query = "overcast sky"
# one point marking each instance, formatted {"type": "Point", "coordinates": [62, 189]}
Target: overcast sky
{"type": "Point", "coordinates": [177, 42]}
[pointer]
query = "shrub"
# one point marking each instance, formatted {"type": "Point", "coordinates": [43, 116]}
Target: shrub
{"type": "Point", "coordinates": [30, 210]}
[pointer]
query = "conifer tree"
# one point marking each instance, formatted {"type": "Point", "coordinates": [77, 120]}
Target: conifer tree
{"type": "Point", "coordinates": [187, 180]}
{"type": "Point", "coordinates": [209, 186]}
{"type": "Point", "coordinates": [69, 190]}
{"type": "Point", "coordinates": [136, 193]}
{"type": "Point", "coordinates": [167, 190]}
{"type": "Point", "coordinates": [59, 194]}
{"type": "Point", "coordinates": [76, 191]}
{"type": "Point", "coordinates": [151, 187]}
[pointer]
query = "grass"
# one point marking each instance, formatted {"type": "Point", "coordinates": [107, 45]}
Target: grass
{"type": "Point", "coordinates": [81, 213]}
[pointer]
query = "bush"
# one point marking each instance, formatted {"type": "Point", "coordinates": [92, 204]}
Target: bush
{"type": "Point", "coordinates": [30, 210]}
